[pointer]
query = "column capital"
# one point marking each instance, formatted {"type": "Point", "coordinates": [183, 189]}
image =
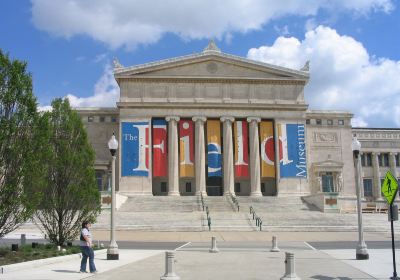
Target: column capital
{"type": "Point", "coordinates": [199, 119]}
{"type": "Point", "coordinates": [227, 119]}
{"type": "Point", "coordinates": [393, 153]}
{"type": "Point", "coordinates": [375, 153]}
{"type": "Point", "coordinates": [253, 119]}
{"type": "Point", "coordinates": [172, 118]}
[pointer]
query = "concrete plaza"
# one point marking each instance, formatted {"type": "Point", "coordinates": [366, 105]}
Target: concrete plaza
{"type": "Point", "coordinates": [243, 255]}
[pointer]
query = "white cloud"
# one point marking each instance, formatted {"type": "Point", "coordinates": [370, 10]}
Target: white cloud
{"type": "Point", "coordinates": [106, 92]}
{"type": "Point", "coordinates": [122, 23]}
{"type": "Point", "coordinates": [47, 108]}
{"type": "Point", "coordinates": [343, 75]}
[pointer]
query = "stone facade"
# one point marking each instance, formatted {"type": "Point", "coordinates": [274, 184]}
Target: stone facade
{"type": "Point", "coordinates": [212, 85]}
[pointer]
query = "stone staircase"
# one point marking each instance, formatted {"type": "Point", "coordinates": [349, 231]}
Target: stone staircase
{"type": "Point", "coordinates": [224, 216]}
{"type": "Point", "coordinates": [183, 213]}
{"type": "Point", "coordinates": [176, 204]}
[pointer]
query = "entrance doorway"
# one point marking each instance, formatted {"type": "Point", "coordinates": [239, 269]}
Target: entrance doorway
{"type": "Point", "coordinates": [214, 186]}
{"type": "Point", "coordinates": [327, 182]}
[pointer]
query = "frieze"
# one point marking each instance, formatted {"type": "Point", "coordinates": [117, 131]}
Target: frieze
{"type": "Point", "coordinates": [325, 137]}
{"type": "Point", "coordinates": [378, 135]}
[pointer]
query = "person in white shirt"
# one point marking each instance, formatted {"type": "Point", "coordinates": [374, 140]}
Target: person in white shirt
{"type": "Point", "coordinates": [86, 248]}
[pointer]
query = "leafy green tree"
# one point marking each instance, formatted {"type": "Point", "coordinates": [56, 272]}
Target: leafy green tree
{"type": "Point", "coordinates": [21, 145]}
{"type": "Point", "coordinates": [70, 194]}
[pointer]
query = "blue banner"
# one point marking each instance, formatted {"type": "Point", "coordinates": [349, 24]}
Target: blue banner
{"type": "Point", "coordinates": [135, 149]}
{"type": "Point", "coordinates": [293, 153]}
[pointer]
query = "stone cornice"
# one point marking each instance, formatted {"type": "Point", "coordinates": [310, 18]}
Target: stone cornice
{"type": "Point", "coordinates": [210, 104]}
{"type": "Point", "coordinates": [376, 134]}
{"type": "Point", "coordinates": [226, 80]}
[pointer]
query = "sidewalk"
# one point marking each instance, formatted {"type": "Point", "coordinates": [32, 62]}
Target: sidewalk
{"type": "Point", "coordinates": [234, 263]}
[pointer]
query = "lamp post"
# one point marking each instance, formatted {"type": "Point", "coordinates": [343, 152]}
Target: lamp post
{"type": "Point", "coordinates": [361, 251]}
{"type": "Point", "coordinates": [112, 251]}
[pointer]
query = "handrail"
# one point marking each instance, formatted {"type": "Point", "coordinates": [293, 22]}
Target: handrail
{"type": "Point", "coordinates": [236, 202]}
{"type": "Point", "coordinates": [256, 218]}
{"type": "Point", "coordinates": [203, 204]}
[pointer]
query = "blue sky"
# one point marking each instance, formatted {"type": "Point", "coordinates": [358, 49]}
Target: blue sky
{"type": "Point", "coordinates": [353, 46]}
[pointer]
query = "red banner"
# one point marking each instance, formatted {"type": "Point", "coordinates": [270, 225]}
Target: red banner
{"type": "Point", "coordinates": [241, 149]}
{"type": "Point", "coordinates": [186, 141]}
{"type": "Point", "coordinates": [160, 163]}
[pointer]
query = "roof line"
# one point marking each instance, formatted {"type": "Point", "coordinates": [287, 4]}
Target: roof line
{"type": "Point", "coordinates": [204, 54]}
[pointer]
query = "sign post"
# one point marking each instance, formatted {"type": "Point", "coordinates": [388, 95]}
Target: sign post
{"type": "Point", "coordinates": [389, 190]}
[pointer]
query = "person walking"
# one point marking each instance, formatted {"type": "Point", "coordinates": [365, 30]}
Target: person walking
{"type": "Point", "coordinates": [86, 248]}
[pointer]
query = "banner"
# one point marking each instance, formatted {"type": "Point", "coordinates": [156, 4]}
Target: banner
{"type": "Point", "coordinates": [241, 149]}
{"type": "Point", "coordinates": [135, 148]}
{"type": "Point", "coordinates": [160, 163]}
{"type": "Point", "coordinates": [186, 148]}
{"type": "Point", "coordinates": [214, 156]}
{"type": "Point", "coordinates": [292, 150]}
{"type": "Point", "coordinates": [267, 149]}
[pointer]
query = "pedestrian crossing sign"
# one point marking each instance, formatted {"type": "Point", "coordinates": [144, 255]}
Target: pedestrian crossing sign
{"type": "Point", "coordinates": [389, 187]}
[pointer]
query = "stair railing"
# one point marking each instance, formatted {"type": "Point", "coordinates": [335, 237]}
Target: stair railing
{"type": "Point", "coordinates": [257, 219]}
{"type": "Point", "coordinates": [236, 202]}
{"type": "Point", "coordinates": [204, 206]}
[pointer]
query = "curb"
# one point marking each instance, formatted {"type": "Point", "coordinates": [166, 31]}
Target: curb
{"type": "Point", "coordinates": [29, 264]}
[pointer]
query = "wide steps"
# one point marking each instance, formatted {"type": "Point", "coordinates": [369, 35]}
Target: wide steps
{"type": "Point", "coordinates": [176, 204]}
{"type": "Point", "coordinates": [273, 204]}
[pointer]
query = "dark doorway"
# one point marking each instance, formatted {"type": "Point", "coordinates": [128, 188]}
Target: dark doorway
{"type": "Point", "coordinates": [214, 186]}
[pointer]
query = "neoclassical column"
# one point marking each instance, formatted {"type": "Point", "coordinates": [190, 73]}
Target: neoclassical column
{"type": "Point", "coordinates": [392, 163]}
{"type": "Point", "coordinates": [255, 180]}
{"type": "Point", "coordinates": [277, 156]}
{"type": "Point", "coordinates": [229, 179]}
{"type": "Point", "coordinates": [173, 156]}
{"type": "Point", "coordinates": [377, 179]}
{"type": "Point", "coordinates": [200, 155]}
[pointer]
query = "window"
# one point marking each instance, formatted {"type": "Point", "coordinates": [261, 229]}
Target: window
{"type": "Point", "coordinates": [99, 180]}
{"type": "Point", "coordinates": [383, 159]}
{"type": "Point", "coordinates": [366, 159]}
{"type": "Point", "coordinates": [188, 187]}
{"type": "Point", "coordinates": [327, 182]}
{"type": "Point", "coordinates": [308, 121]}
{"type": "Point", "coordinates": [113, 119]}
{"type": "Point", "coordinates": [340, 122]}
{"type": "Point", "coordinates": [163, 186]}
{"type": "Point", "coordinates": [102, 119]}
{"type": "Point", "coordinates": [237, 187]}
{"type": "Point", "coordinates": [262, 187]}
{"type": "Point", "coordinates": [330, 122]}
{"type": "Point", "coordinates": [319, 121]}
{"type": "Point", "coordinates": [397, 159]}
{"type": "Point", "coordinates": [90, 118]}
{"type": "Point", "coordinates": [369, 159]}
{"type": "Point", "coordinates": [367, 183]}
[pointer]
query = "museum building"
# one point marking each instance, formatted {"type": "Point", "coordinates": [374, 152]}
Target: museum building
{"type": "Point", "coordinates": [217, 124]}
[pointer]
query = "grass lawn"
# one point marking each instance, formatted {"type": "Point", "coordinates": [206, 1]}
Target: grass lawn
{"type": "Point", "coordinates": [27, 253]}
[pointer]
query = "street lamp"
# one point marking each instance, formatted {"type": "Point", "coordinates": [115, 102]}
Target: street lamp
{"type": "Point", "coordinates": [112, 251]}
{"type": "Point", "coordinates": [361, 251]}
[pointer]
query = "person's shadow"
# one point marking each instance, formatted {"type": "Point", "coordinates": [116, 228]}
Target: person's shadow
{"type": "Point", "coordinates": [322, 277]}
{"type": "Point", "coordinates": [65, 271]}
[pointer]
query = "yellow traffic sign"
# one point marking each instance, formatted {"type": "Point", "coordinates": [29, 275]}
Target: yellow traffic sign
{"type": "Point", "coordinates": [389, 187]}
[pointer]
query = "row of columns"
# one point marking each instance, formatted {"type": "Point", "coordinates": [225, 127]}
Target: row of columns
{"type": "Point", "coordinates": [377, 173]}
{"type": "Point", "coordinates": [200, 161]}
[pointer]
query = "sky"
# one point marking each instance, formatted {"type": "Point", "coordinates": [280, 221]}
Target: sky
{"type": "Point", "coordinates": [353, 46]}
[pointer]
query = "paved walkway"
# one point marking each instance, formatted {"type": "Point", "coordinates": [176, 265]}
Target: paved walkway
{"type": "Point", "coordinates": [242, 256]}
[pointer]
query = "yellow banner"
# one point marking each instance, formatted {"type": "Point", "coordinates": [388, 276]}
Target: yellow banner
{"type": "Point", "coordinates": [267, 149]}
{"type": "Point", "coordinates": [186, 148]}
{"type": "Point", "coordinates": [214, 155]}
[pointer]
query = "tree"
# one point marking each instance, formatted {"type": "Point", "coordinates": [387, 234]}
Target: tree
{"type": "Point", "coordinates": [20, 143]}
{"type": "Point", "coordinates": [70, 193]}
